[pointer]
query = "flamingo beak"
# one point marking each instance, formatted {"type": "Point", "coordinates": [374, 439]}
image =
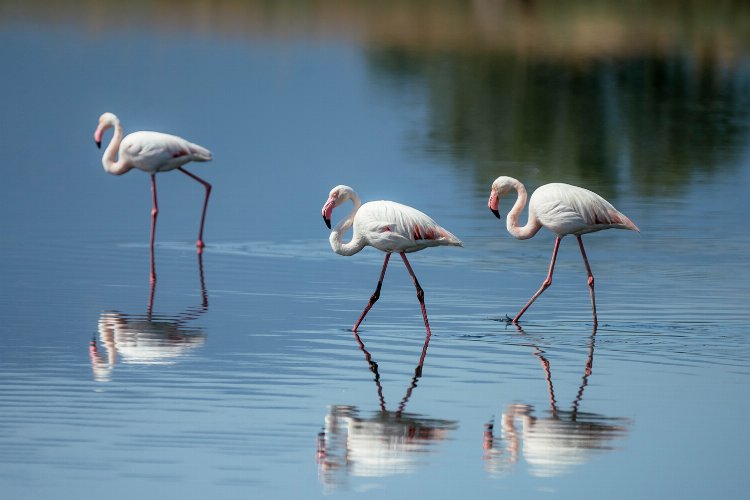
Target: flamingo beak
{"type": "Point", "coordinates": [328, 210]}
{"type": "Point", "coordinates": [494, 203]}
{"type": "Point", "coordinates": [98, 136]}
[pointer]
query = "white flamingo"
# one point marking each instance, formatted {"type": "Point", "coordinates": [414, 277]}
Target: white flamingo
{"type": "Point", "coordinates": [387, 226]}
{"type": "Point", "coordinates": [152, 152]}
{"type": "Point", "coordinates": [563, 209]}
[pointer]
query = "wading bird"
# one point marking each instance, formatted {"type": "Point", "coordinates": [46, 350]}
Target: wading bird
{"type": "Point", "coordinates": [152, 152]}
{"type": "Point", "coordinates": [563, 209]}
{"type": "Point", "coordinates": [387, 226]}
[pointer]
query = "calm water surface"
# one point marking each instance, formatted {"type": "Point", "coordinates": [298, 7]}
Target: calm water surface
{"type": "Point", "coordinates": [235, 374]}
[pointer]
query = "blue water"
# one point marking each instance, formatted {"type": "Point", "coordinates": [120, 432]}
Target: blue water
{"type": "Point", "coordinates": [236, 374]}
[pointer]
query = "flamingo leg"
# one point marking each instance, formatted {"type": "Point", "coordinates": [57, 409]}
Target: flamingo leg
{"type": "Point", "coordinates": [590, 280]}
{"type": "Point", "coordinates": [154, 214]}
{"type": "Point", "coordinates": [420, 293]}
{"type": "Point", "coordinates": [376, 295]}
{"type": "Point", "coordinates": [545, 284]}
{"type": "Point", "coordinates": [150, 306]}
{"type": "Point", "coordinates": [200, 243]}
{"type": "Point", "coordinates": [204, 292]}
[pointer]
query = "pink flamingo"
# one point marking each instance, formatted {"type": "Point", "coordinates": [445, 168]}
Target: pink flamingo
{"type": "Point", "coordinates": [563, 209]}
{"type": "Point", "coordinates": [389, 227]}
{"type": "Point", "coordinates": [152, 152]}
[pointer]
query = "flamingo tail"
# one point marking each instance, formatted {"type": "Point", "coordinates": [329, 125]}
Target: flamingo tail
{"type": "Point", "coordinates": [199, 153]}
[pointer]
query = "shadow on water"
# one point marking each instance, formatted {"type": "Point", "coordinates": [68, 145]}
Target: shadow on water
{"type": "Point", "coordinates": [389, 442]}
{"type": "Point", "coordinates": [147, 339]}
{"type": "Point", "coordinates": [558, 441]}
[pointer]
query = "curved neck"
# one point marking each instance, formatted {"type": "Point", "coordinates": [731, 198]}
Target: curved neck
{"type": "Point", "coordinates": [357, 243]}
{"type": "Point", "coordinates": [532, 225]}
{"type": "Point", "coordinates": [111, 165]}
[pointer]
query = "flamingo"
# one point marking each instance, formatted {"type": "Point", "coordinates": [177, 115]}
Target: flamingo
{"type": "Point", "coordinates": [389, 227]}
{"type": "Point", "coordinates": [152, 152]}
{"type": "Point", "coordinates": [563, 209]}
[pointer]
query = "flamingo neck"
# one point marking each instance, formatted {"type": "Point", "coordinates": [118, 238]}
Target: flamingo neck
{"type": "Point", "coordinates": [532, 225]}
{"type": "Point", "coordinates": [357, 243]}
{"type": "Point", "coordinates": [111, 165]}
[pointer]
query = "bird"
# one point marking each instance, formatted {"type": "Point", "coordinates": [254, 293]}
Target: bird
{"type": "Point", "coordinates": [389, 227]}
{"type": "Point", "coordinates": [563, 209]}
{"type": "Point", "coordinates": [152, 152]}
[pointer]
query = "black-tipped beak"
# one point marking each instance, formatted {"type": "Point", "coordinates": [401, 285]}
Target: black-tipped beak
{"type": "Point", "coordinates": [98, 144]}
{"type": "Point", "coordinates": [327, 221]}
{"type": "Point", "coordinates": [496, 212]}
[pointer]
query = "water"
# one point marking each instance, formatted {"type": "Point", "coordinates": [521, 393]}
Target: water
{"type": "Point", "coordinates": [236, 375]}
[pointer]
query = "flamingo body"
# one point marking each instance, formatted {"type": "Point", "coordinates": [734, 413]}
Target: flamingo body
{"type": "Point", "coordinates": [563, 209]}
{"type": "Point", "coordinates": [566, 209]}
{"type": "Point", "coordinates": [155, 152]}
{"type": "Point", "coordinates": [151, 152]}
{"type": "Point", "coordinates": [389, 227]}
{"type": "Point", "coordinates": [393, 227]}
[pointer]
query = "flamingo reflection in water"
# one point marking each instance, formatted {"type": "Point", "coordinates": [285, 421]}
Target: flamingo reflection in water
{"type": "Point", "coordinates": [552, 444]}
{"type": "Point", "coordinates": [146, 339]}
{"type": "Point", "coordinates": [387, 443]}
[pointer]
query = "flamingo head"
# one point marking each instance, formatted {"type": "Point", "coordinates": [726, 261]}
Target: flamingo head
{"type": "Point", "coordinates": [336, 197]}
{"type": "Point", "coordinates": [106, 121]}
{"type": "Point", "coordinates": [500, 188]}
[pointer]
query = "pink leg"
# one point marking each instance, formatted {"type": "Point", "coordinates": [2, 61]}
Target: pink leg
{"type": "Point", "coordinates": [418, 370]}
{"type": "Point", "coordinates": [154, 214]}
{"type": "Point", "coordinates": [590, 281]}
{"type": "Point", "coordinates": [204, 292]}
{"type": "Point", "coordinates": [200, 243]}
{"type": "Point", "coordinates": [151, 293]}
{"type": "Point", "coordinates": [547, 282]}
{"type": "Point", "coordinates": [420, 293]}
{"type": "Point", "coordinates": [376, 295]}
{"type": "Point", "coordinates": [152, 277]}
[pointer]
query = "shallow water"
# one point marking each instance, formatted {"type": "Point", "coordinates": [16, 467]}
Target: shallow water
{"type": "Point", "coordinates": [235, 374]}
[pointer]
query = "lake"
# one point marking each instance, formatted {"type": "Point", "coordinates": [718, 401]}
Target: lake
{"type": "Point", "coordinates": [235, 372]}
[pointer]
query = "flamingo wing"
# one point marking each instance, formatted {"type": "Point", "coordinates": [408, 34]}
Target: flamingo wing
{"type": "Point", "coordinates": [158, 152]}
{"type": "Point", "coordinates": [393, 227]}
{"type": "Point", "coordinates": [567, 209]}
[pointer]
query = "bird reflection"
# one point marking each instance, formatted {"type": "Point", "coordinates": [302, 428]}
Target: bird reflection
{"type": "Point", "coordinates": [146, 338]}
{"type": "Point", "coordinates": [552, 444]}
{"type": "Point", "coordinates": [389, 442]}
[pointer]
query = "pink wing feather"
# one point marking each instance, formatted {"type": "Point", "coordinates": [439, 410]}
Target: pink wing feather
{"type": "Point", "coordinates": [567, 209]}
{"type": "Point", "coordinates": [157, 152]}
{"type": "Point", "coordinates": [393, 227]}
